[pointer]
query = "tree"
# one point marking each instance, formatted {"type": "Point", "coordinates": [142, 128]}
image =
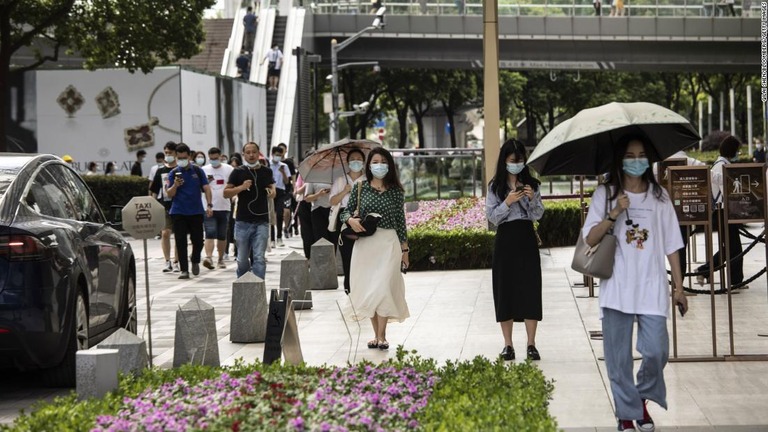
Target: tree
{"type": "Point", "coordinates": [131, 34]}
{"type": "Point", "coordinates": [457, 88]}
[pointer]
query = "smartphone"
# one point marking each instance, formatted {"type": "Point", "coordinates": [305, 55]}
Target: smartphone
{"type": "Point", "coordinates": [680, 309]}
{"type": "Point", "coordinates": [520, 189]}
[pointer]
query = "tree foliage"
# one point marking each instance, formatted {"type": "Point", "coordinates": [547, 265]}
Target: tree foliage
{"type": "Point", "coordinates": [131, 34]}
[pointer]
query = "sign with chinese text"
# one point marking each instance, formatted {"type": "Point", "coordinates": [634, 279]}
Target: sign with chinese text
{"type": "Point", "coordinates": [688, 187]}
{"type": "Point", "coordinates": [744, 192]}
{"type": "Point", "coordinates": [143, 217]}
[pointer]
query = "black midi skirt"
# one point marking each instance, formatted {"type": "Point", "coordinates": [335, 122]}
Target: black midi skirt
{"type": "Point", "coordinates": [516, 272]}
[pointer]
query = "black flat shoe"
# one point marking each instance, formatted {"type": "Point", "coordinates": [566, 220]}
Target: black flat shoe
{"type": "Point", "coordinates": [508, 353]}
{"type": "Point", "coordinates": [533, 353]}
{"type": "Point", "coordinates": [373, 344]}
{"type": "Point", "coordinates": [383, 345]}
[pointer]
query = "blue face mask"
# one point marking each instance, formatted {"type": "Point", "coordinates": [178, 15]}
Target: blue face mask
{"type": "Point", "coordinates": [515, 168]}
{"type": "Point", "coordinates": [183, 162]}
{"type": "Point", "coordinates": [215, 162]}
{"type": "Point", "coordinates": [356, 165]}
{"type": "Point", "coordinates": [635, 167]}
{"type": "Point", "coordinates": [170, 159]}
{"type": "Point", "coordinates": [379, 170]}
{"type": "Point", "coordinates": [200, 161]}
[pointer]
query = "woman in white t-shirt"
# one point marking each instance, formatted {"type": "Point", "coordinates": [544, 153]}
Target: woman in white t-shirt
{"type": "Point", "coordinates": [646, 229]}
{"type": "Point", "coordinates": [340, 190]}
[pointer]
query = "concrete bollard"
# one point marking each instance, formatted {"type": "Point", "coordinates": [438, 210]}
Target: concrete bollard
{"type": "Point", "coordinates": [195, 340]}
{"type": "Point", "coordinates": [322, 269]}
{"type": "Point", "coordinates": [294, 274]}
{"type": "Point", "coordinates": [96, 372]}
{"type": "Point", "coordinates": [249, 310]}
{"type": "Point", "coordinates": [132, 351]}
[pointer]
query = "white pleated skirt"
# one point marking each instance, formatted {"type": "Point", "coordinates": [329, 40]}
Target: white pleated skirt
{"type": "Point", "coordinates": [376, 284]}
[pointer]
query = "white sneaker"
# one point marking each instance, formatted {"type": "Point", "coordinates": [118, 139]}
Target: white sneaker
{"type": "Point", "coordinates": [273, 245]}
{"type": "Point", "coordinates": [280, 242]}
{"type": "Point", "coordinates": [176, 268]}
{"type": "Point", "coordinates": [221, 264]}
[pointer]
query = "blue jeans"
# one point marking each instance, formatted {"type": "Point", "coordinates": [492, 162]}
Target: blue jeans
{"type": "Point", "coordinates": [251, 239]}
{"type": "Point", "coordinates": [653, 345]}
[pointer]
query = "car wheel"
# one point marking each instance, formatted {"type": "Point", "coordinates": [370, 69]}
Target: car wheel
{"type": "Point", "coordinates": [63, 375]}
{"type": "Point", "coordinates": [129, 319]}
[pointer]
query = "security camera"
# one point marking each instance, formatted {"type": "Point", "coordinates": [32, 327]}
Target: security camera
{"type": "Point", "coordinates": [379, 21]}
{"type": "Point", "coordinates": [362, 107]}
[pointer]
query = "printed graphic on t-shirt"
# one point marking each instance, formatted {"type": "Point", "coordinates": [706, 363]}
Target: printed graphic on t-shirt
{"type": "Point", "coordinates": [166, 184]}
{"type": "Point", "coordinates": [637, 236]}
{"type": "Point", "coordinates": [217, 181]}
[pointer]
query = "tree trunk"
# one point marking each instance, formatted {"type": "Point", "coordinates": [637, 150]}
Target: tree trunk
{"type": "Point", "coordinates": [420, 128]}
{"type": "Point", "coordinates": [451, 124]}
{"type": "Point", "coordinates": [402, 119]}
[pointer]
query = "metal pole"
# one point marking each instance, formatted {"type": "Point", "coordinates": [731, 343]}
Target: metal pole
{"type": "Point", "coordinates": [722, 113]}
{"type": "Point", "coordinates": [701, 120]}
{"type": "Point", "coordinates": [749, 120]}
{"type": "Point", "coordinates": [491, 141]}
{"type": "Point", "coordinates": [334, 126]}
{"type": "Point", "coordinates": [709, 114]}
{"type": "Point", "coordinates": [146, 287]}
{"type": "Point", "coordinates": [732, 106]}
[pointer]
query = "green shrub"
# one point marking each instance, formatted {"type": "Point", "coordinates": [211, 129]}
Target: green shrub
{"type": "Point", "coordinates": [454, 249]}
{"type": "Point", "coordinates": [469, 395]}
{"type": "Point", "coordinates": [116, 190]}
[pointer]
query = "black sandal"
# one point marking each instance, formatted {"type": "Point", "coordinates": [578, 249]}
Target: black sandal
{"type": "Point", "coordinates": [373, 344]}
{"type": "Point", "coordinates": [383, 345]}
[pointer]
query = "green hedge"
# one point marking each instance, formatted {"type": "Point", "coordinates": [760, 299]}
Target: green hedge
{"type": "Point", "coordinates": [116, 190]}
{"type": "Point", "coordinates": [471, 249]}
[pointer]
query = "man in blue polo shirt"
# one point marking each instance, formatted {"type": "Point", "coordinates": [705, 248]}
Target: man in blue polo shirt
{"type": "Point", "coordinates": [186, 183]}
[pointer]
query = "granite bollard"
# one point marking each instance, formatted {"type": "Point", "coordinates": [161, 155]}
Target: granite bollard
{"type": "Point", "coordinates": [294, 274]}
{"type": "Point", "coordinates": [132, 351]}
{"type": "Point", "coordinates": [322, 268]}
{"type": "Point", "coordinates": [249, 310]}
{"type": "Point", "coordinates": [195, 340]}
{"type": "Point", "coordinates": [96, 372]}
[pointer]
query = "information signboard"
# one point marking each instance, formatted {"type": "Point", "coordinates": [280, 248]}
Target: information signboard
{"type": "Point", "coordinates": [744, 192]}
{"type": "Point", "coordinates": [143, 217]}
{"type": "Point", "coordinates": [690, 193]}
{"type": "Point", "coordinates": [662, 176]}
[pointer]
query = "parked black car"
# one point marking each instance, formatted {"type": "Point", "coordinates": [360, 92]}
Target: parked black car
{"type": "Point", "coordinates": [67, 277]}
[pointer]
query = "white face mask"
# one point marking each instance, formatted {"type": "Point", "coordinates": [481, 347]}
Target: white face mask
{"type": "Point", "coordinates": [252, 165]}
{"type": "Point", "coordinates": [200, 161]}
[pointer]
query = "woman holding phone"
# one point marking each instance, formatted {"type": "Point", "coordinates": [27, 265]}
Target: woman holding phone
{"type": "Point", "coordinates": [513, 204]}
{"type": "Point", "coordinates": [319, 194]}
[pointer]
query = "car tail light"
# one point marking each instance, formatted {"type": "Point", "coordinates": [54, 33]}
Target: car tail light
{"type": "Point", "coordinates": [4, 330]}
{"type": "Point", "coordinates": [21, 248]}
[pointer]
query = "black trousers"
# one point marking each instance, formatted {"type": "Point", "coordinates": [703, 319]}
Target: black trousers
{"type": "Point", "coordinates": [320, 223]}
{"type": "Point", "coordinates": [280, 197]}
{"type": "Point", "coordinates": [192, 225]}
{"type": "Point", "coordinates": [304, 214]}
{"type": "Point", "coordinates": [345, 250]}
{"type": "Point", "coordinates": [737, 265]}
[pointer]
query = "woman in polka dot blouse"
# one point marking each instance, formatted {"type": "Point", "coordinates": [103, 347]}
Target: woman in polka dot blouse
{"type": "Point", "coordinates": [376, 284]}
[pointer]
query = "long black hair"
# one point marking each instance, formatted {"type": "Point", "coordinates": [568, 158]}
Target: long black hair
{"type": "Point", "coordinates": [615, 178]}
{"type": "Point", "coordinates": [391, 180]}
{"type": "Point", "coordinates": [499, 183]}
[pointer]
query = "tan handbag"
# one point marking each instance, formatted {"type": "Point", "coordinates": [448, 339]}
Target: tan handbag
{"type": "Point", "coordinates": [596, 261]}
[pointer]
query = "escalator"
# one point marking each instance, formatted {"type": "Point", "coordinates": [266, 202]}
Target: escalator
{"type": "Point", "coordinates": [278, 37]}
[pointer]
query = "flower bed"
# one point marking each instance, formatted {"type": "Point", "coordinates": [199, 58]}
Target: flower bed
{"type": "Point", "coordinates": [404, 393]}
{"type": "Point", "coordinates": [454, 234]}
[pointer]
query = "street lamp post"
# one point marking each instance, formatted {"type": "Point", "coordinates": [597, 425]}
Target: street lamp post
{"type": "Point", "coordinates": [335, 48]}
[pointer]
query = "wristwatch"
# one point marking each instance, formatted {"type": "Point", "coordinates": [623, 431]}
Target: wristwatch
{"type": "Point", "coordinates": [210, 205]}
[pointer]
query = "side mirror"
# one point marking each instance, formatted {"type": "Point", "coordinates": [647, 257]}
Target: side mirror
{"type": "Point", "coordinates": [116, 217]}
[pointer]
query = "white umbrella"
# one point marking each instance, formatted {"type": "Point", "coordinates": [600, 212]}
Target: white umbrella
{"type": "Point", "coordinates": [583, 144]}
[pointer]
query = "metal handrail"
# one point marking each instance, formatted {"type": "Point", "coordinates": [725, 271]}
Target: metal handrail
{"type": "Point", "coordinates": [541, 8]}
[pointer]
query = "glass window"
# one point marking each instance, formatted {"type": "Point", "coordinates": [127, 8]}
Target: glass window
{"type": "Point", "coordinates": [45, 197]}
{"type": "Point", "coordinates": [78, 195]}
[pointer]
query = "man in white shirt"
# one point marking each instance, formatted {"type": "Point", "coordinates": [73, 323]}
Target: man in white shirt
{"type": "Point", "coordinates": [216, 225]}
{"type": "Point", "coordinates": [282, 177]}
{"type": "Point", "coordinates": [275, 59]}
{"type": "Point", "coordinates": [729, 150]}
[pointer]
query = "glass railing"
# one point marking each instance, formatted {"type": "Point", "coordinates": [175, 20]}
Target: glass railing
{"type": "Point", "coordinates": [674, 8]}
{"type": "Point", "coordinates": [441, 173]}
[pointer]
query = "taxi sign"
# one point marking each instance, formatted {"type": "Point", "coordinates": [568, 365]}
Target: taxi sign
{"type": "Point", "coordinates": [143, 217]}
